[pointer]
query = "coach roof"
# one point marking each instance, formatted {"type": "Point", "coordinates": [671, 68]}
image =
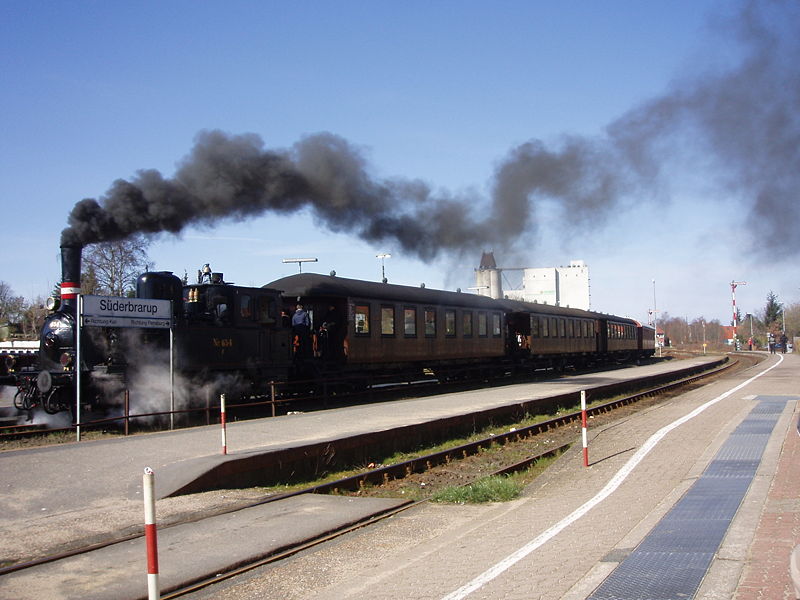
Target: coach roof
{"type": "Point", "coordinates": [307, 285]}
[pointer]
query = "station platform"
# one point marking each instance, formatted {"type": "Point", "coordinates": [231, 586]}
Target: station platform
{"type": "Point", "coordinates": [72, 491]}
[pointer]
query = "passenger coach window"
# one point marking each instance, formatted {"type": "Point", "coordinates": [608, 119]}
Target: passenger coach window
{"type": "Point", "coordinates": [496, 325]}
{"type": "Point", "coordinates": [450, 323]}
{"type": "Point", "coordinates": [553, 327]}
{"type": "Point", "coordinates": [410, 322]}
{"type": "Point", "coordinates": [467, 324]}
{"type": "Point", "coordinates": [430, 322]}
{"type": "Point", "coordinates": [562, 328]}
{"type": "Point", "coordinates": [535, 327]}
{"type": "Point", "coordinates": [571, 328]}
{"type": "Point", "coordinates": [387, 320]}
{"type": "Point", "coordinates": [545, 327]}
{"type": "Point", "coordinates": [482, 329]}
{"type": "Point", "coordinates": [362, 319]}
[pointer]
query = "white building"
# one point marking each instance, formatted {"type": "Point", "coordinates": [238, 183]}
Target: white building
{"type": "Point", "coordinates": [557, 286]}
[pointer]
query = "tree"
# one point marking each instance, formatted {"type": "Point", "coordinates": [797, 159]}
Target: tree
{"type": "Point", "coordinates": [792, 319]}
{"type": "Point", "coordinates": [772, 310]}
{"type": "Point", "coordinates": [89, 283]}
{"type": "Point", "coordinates": [696, 332]}
{"type": "Point", "coordinates": [11, 306]}
{"type": "Point", "coordinates": [112, 267]}
{"type": "Point", "coordinates": [33, 317]}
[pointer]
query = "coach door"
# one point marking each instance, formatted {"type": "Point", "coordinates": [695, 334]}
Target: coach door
{"type": "Point", "coordinates": [601, 335]}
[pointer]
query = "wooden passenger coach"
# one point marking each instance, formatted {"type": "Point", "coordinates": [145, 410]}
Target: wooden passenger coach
{"type": "Point", "coordinates": [552, 335]}
{"type": "Point", "coordinates": [385, 325]}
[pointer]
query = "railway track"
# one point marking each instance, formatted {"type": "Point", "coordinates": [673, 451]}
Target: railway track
{"type": "Point", "coordinates": [383, 475]}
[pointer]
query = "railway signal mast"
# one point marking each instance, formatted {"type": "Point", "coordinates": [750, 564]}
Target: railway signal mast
{"type": "Point", "coordinates": [733, 299]}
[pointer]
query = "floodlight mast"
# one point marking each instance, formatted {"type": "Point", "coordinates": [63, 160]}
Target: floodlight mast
{"type": "Point", "coordinates": [299, 261]}
{"type": "Point", "coordinates": [383, 256]}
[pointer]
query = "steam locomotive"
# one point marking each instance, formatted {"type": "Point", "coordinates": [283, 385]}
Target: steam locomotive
{"type": "Point", "coordinates": [348, 328]}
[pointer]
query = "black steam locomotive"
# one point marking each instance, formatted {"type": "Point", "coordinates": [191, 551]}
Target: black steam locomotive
{"type": "Point", "coordinates": [307, 327]}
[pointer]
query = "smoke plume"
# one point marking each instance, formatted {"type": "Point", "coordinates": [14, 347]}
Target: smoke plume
{"type": "Point", "coordinates": [741, 126]}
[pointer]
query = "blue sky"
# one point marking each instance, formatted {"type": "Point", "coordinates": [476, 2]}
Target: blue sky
{"type": "Point", "coordinates": [440, 92]}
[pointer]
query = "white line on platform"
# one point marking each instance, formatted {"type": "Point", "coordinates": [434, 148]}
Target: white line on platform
{"type": "Point", "coordinates": [609, 488]}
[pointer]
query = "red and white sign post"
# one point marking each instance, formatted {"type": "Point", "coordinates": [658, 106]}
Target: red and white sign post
{"type": "Point", "coordinates": [150, 534]}
{"type": "Point", "coordinates": [584, 430]}
{"type": "Point", "coordinates": [222, 422]}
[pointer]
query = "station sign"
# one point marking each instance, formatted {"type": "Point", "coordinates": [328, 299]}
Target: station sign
{"type": "Point", "coordinates": [114, 311]}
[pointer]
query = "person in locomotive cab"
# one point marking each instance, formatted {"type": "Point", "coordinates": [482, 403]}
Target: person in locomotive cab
{"type": "Point", "coordinates": [205, 274]}
{"type": "Point", "coordinates": [301, 329]}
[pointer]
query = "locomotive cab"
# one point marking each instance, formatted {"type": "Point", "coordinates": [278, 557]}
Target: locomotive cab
{"type": "Point", "coordinates": [222, 328]}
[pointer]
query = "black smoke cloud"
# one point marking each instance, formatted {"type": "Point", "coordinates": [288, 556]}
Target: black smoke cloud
{"type": "Point", "coordinates": [741, 126]}
{"type": "Point", "coordinates": [234, 176]}
{"type": "Point", "coordinates": [739, 129]}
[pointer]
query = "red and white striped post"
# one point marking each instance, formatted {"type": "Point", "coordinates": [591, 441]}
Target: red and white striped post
{"type": "Point", "coordinates": [150, 534]}
{"type": "Point", "coordinates": [584, 430]}
{"type": "Point", "coordinates": [222, 422]}
{"type": "Point", "coordinates": [733, 300]}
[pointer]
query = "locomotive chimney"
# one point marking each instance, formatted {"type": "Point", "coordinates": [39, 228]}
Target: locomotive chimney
{"type": "Point", "coordinates": [70, 275]}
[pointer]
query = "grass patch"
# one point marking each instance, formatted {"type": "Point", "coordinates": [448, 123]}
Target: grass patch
{"type": "Point", "coordinates": [496, 488]}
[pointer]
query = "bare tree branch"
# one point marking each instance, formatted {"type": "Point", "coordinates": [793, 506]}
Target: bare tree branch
{"type": "Point", "coordinates": [112, 267]}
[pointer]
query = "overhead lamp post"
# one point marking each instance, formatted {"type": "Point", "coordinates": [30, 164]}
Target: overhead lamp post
{"type": "Point", "coordinates": [734, 284]}
{"type": "Point", "coordinates": [299, 261]}
{"type": "Point", "coordinates": [383, 256]}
